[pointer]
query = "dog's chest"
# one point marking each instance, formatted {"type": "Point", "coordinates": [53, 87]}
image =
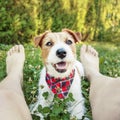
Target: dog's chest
{"type": "Point", "coordinates": [75, 84]}
{"type": "Point", "coordinates": [60, 86]}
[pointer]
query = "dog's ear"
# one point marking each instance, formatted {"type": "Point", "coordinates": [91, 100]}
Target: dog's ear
{"type": "Point", "coordinates": [38, 39]}
{"type": "Point", "coordinates": [77, 36]}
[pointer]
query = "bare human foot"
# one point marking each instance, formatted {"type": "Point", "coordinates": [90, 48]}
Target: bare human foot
{"type": "Point", "coordinates": [15, 60]}
{"type": "Point", "coordinates": [90, 60]}
{"type": "Point", "coordinates": [12, 102]}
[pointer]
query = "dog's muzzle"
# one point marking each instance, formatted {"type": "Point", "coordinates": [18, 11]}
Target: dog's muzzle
{"type": "Point", "coordinates": [61, 66]}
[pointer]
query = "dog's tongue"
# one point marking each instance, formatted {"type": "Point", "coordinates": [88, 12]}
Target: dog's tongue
{"type": "Point", "coordinates": [61, 65]}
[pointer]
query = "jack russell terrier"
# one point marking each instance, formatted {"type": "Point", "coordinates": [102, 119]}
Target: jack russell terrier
{"type": "Point", "coordinates": [62, 73]}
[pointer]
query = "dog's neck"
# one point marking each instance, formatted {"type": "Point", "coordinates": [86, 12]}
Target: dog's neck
{"type": "Point", "coordinates": [60, 86]}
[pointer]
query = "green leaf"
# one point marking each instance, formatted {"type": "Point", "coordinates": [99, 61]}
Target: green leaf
{"type": "Point", "coordinates": [46, 110]}
{"type": "Point", "coordinates": [45, 95]}
{"type": "Point", "coordinates": [40, 108]}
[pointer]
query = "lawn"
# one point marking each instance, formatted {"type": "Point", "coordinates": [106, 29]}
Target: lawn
{"type": "Point", "coordinates": [109, 54]}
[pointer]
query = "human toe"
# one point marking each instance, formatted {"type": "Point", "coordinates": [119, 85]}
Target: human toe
{"type": "Point", "coordinates": [21, 48]}
{"type": "Point", "coordinates": [83, 49]}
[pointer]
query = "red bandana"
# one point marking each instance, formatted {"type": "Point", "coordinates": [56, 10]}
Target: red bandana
{"type": "Point", "coordinates": [60, 86]}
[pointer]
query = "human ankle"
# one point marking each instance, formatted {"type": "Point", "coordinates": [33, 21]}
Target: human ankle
{"type": "Point", "coordinates": [91, 73]}
{"type": "Point", "coordinates": [13, 73]}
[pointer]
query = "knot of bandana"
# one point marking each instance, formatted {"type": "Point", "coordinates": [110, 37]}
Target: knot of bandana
{"type": "Point", "coordinates": [60, 86]}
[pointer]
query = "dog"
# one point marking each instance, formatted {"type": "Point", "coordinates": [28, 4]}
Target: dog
{"type": "Point", "coordinates": [61, 71]}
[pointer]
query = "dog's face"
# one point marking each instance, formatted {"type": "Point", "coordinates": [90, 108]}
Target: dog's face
{"type": "Point", "coordinates": [58, 51]}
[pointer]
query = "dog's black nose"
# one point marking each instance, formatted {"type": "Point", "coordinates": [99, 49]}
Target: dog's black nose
{"type": "Point", "coordinates": [61, 53]}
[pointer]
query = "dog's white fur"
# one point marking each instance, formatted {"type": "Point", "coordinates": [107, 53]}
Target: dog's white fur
{"type": "Point", "coordinates": [76, 108]}
{"type": "Point", "coordinates": [52, 58]}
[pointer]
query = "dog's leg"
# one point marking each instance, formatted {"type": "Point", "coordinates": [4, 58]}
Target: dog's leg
{"type": "Point", "coordinates": [79, 67]}
{"type": "Point", "coordinates": [76, 108]}
{"type": "Point", "coordinates": [43, 88]}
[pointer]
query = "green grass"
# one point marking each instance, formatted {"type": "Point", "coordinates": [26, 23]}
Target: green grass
{"type": "Point", "coordinates": [109, 54]}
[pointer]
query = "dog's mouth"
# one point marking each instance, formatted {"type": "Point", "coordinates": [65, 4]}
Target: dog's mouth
{"type": "Point", "coordinates": [60, 67]}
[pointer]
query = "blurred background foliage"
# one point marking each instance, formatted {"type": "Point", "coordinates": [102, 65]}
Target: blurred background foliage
{"type": "Point", "coordinates": [21, 20]}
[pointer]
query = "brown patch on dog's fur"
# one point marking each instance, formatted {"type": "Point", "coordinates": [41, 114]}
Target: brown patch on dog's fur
{"type": "Point", "coordinates": [76, 36]}
{"type": "Point", "coordinates": [46, 49]}
{"type": "Point", "coordinates": [38, 39]}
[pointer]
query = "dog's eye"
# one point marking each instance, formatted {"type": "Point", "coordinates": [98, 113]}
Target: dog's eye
{"type": "Point", "coordinates": [49, 44]}
{"type": "Point", "coordinates": [69, 42]}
